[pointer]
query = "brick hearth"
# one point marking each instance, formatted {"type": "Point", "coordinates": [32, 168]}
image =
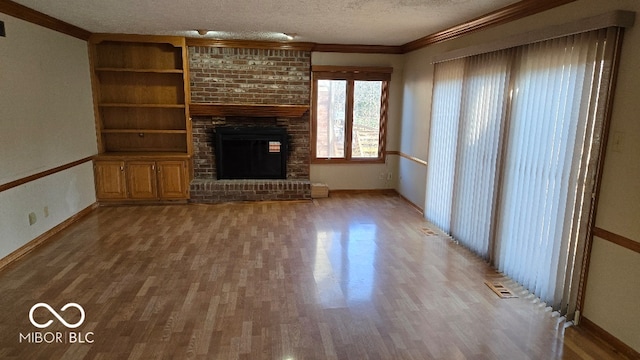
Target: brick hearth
{"type": "Point", "coordinates": [216, 191]}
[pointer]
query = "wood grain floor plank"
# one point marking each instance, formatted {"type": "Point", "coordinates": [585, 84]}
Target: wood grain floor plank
{"type": "Point", "coordinates": [347, 277]}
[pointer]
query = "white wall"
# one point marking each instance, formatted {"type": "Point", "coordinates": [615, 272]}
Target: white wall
{"type": "Point", "coordinates": [46, 120]}
{"type": "Point", "coordinates": [416, 114]}
{"type": "Point", "coordinates": [612, 267]}
{"type": "Point", "coordinates": [366, 176]}
{"type": "Point", "coordinates": [613, 288]}
{"type": "Point", "coordinates": [412, 178]}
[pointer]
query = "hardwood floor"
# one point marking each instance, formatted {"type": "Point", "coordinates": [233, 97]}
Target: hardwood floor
{"type": "Point", "coordinates": [348, 277]}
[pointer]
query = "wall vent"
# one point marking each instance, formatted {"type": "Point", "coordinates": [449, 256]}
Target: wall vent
{"type": "Point", "coordinates": [428, 232]}
{"type": "Point", "coordinates": [500, 290]}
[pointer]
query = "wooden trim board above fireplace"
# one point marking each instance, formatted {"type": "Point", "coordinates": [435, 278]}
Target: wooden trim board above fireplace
{"type": "Point", "coordinates": [251, 110]}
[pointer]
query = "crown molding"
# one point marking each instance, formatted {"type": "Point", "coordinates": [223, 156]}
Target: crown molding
{"type": "Point", "coordinates": [250, 44]}
{"type": "Point", "coordinates": [303, 46]}
{"type": "Point", "coordinates": [617, 18]}
{"type": "Point", "coordinates": [506, 14]}
{"type": "Point", "coordinates": [35, 17]}
{"type": "Point", "coordinates": [360, 49]}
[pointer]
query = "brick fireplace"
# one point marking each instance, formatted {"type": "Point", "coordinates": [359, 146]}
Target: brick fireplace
{"type": "Point", "coordinates": [229, 78]}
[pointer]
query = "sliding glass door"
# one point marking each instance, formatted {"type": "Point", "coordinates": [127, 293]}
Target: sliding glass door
{"type": "Point", "coordinates": [513, 146]}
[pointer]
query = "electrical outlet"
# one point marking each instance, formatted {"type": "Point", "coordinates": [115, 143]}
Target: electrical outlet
{"type": "Point", "coordinates": [389, 176]}
{"type": "Point", "coordinates": [32, 218]}
{"type": "Point", "coordinates": [46, 211]}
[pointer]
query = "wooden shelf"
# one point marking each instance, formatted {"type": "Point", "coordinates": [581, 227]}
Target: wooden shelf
{"type": "Point", "coordinates": [135, 155]}
{"type": "Point", "coordinates": [252, 110]}
{"type": "Point", "coordinates": [133, 87]}
{"type": "Point", "coordinates": [175, 41]}
{"type": "Point", "coordinates": [129, 105]}
{"type": "Point", "coordinates": [137, 52]}
{"type": "Point", "coordinates": [157, 71]}
{"type": "Point", "coordinates": [142, 131]}
{"type": "Point", "coordinates": [141, 94]}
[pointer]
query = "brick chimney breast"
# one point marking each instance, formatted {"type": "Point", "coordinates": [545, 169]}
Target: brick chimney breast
{"type": "Point", "coordinates": [249, 76]}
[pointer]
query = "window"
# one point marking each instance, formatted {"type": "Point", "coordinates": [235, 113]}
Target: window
{"type": "Point", "coordinates": [349, 113]}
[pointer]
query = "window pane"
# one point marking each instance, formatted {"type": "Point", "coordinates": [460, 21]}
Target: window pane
{"type": "Point", "coordinates": [330, 118]}
{"type": "Point", "coordinates": [366, 119]}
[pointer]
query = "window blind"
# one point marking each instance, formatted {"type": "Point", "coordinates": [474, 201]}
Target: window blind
{"type": "Point", "coordinates": [445, 113]}
{"type": "Point", "coordinates": [480, 123]}
{"type": "Point", "coordinates": [514, 142]}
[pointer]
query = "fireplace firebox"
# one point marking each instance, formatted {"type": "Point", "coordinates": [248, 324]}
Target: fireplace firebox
{"type": "Point", "coordinates": [251, 152]}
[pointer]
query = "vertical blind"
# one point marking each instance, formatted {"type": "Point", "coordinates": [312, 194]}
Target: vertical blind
{"type": "Point", "coordinates": [483, 100]}
{"type": "Point", "coordinates": [445, 113]}
{"type": "Point", "coordinates": [513, 152]}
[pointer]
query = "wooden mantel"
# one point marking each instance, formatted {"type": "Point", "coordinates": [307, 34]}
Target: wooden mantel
{"type": "Point", "coordinates": [249, 110]}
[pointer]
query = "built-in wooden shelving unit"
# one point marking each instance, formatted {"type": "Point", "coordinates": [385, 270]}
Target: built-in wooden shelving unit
{"type": "Point", "coordinates": [144, 136]}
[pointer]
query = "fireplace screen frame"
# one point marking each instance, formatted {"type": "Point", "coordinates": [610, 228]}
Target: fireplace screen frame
{"type": "Point", "coordinates": [267, 150]}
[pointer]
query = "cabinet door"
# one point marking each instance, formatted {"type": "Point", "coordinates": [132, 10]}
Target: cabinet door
{"type": "Point", "coordinates": [172, 175]}
{"type": "Point", "coordinates": [110, 180]}
{"type": "Point", "coordinates": [141, 179]}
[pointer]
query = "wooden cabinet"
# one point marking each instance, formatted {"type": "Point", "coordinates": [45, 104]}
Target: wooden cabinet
{"type": "Point", "coordinates": [110, 180]}
{"type": "Point", "coordinates": [141, 92]}
{"type": "Point", "coordinates": [141, 180]}
{"type": "Point", "coordinates": [136, 180]}
{"type": "Point", "coordinates": [171, 179]}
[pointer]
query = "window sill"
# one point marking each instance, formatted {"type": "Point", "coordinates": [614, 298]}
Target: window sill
{"type": "Point", "coordinates": [345, 161]}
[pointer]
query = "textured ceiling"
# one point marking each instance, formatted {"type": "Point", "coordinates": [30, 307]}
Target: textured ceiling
{"type": "Point", "coordinates": [366, 22]}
